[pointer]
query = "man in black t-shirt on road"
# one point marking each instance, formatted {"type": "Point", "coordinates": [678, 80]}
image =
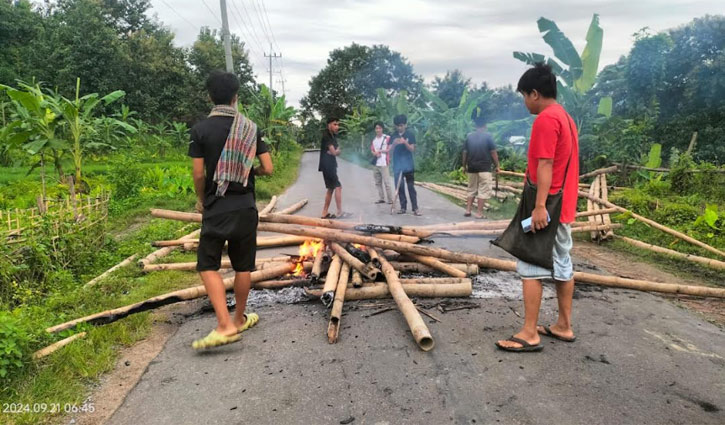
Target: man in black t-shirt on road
{"type": "Point", "coordinates": [329, 151]}
{"type": "Point", "coordinates": [223, 148]}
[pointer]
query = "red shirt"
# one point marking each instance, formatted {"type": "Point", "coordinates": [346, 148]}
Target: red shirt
{"type": "Point", "coordinates": [552, 137]}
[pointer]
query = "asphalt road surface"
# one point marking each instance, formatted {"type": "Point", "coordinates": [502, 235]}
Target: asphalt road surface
{"type": "Point", "coordinates": [638, 359]}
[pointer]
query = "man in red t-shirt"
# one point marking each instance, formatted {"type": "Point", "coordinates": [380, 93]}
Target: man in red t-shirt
{"type": "Point", "coordinates": [553, 162]}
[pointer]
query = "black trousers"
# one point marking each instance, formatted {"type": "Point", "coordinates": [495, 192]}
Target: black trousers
{"type": "Point", "coordinates": [410, 182]}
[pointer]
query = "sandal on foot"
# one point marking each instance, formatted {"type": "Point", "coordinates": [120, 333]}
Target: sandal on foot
{"type": "Point", "coordinates": [344, 215]}
{"type": "Point", "coordinates": [380, 201]}
{"type": "Point", "coordinates": [250, 321]}
{"type": "Point", "coordinates": [417, 213]}
{"type": "Point", "coordinates": [467, 214]}
{"type": "Point", "coordinates": [329, 216]}
{"type": "Point", "coordinates": [546, 331]}
{"type": "Point", "coordinates": [214, 339]}
{"type": "Point", "coordinates": [525, 346]}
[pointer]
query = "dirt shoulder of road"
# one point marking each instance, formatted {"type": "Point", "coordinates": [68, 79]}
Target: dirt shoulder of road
{"type": "Point", "coordinates": [621, 264]}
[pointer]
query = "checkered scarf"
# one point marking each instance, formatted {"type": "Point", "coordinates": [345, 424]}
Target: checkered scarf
{"type": "Point", "coordinates": [237, 157]}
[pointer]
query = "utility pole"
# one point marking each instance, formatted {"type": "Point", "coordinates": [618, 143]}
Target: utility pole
{"type": "Point", "coordinates": [271, 56]}
{"type": "Point", "coordinates": [225, 36]}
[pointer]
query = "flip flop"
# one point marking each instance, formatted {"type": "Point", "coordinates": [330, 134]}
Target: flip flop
{"type": "Point", "coordinates": [250, 321]}
{"type": "Point", "coordinates": [547, 332]}
{"type": "Point", "coordinates": [214, 339]}
{"type": "Point", "coordinates": [344, 215]}
{"type": "Point", "coordinates": [466, 214]}
{"type": "Point", "coordinates": [328, 216]}
{"type": "Point", "coordinates": [525, 346]}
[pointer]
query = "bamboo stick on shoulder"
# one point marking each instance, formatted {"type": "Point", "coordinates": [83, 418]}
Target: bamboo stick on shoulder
{"type": "Point", "coordinates": [367, 270]}
{"type": "Point", "coordinates": [420, 331]}
{"type": "Point", "coordinates": [333, 328]}
{"type": "Point", "coordinates": [115, 314]}
{"type": "Point", "coordinates": [270, 206]}
{"type": "Point", "coordinates": [654, 224]}
{"type": "Point", "coordinates": [123, 263]}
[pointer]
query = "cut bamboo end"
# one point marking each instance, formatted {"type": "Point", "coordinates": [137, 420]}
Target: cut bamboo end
{"type": "Point", "coordinates": [333, 329]}
{"type": "Point", "coordinates": [333, 274]}
{"type": "Point", "coordinates": [56, 346]}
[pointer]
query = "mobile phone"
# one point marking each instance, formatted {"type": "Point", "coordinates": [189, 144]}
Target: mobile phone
{"type": "Point", "coordinates": [526, 223]}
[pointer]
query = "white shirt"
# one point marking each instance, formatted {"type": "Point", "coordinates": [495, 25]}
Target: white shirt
{"type": "Point", "coordinates": [379, 145]}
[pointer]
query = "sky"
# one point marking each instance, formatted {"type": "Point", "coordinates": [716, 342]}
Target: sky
{"type": "Point", "coordinates": [477, 37]}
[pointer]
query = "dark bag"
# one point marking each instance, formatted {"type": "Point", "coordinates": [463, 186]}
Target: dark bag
{"type": "Point", "coordinates": [374, 160]}
{"type": "Point", "coordinates": [534, 248]}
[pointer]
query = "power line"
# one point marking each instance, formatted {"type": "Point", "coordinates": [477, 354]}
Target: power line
{"type": "Point", "coordinates": [251, 34]}
{"type": "Point", "coordinates": [211, 11]}
{"type": "Point", "coordinates": [262, 7]}
{"type": "Point", "coordinates": [246, 39]}
{"type": "Point", "coordinates": [180, 16]}
{"type": "Point", "coordinates": [250, 25]}
{"type": "Point", "coordinates": [261, 21]}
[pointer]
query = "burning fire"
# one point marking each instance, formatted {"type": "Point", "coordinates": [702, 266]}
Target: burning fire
{"type": "Point", "coordinates": [307, 251]}
{"type": "Point", "coordinates": [358, 246]}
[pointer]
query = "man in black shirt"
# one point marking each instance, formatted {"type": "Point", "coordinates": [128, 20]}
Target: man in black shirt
{"type": "Point", "coordinates": [225, 191]}
{"type": "Point", "coordinates": [329, 151]}
{"type": "Point", "coordinates": [403, 163]}
{"type": "Point", "coordinates": [479, 152]}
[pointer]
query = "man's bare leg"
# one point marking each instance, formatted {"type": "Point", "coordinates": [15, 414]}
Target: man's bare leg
{"type": "Point", "coordinates": [481, 201]}
{"type": "Point", "coordinates": [564, 296]}
{"type": "Point", "coordinates": [469, 204]}
{"type": "Point", "coordinates": [218, 297]}
{"type": "Point", "coordinates": [532, 302]}
{"type": "Point", "coordinates": [242, 285]}
{"type": "Point", "coordinates": [328, 199]}
{"type": "Point", "coordinates": [338, 199]}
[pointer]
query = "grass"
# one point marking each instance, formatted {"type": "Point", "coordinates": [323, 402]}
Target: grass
{"type": "Point", "coordinates": [65, 376]}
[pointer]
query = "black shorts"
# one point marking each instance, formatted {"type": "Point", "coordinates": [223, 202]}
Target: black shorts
{"type": "Point", "coordinates": [331, 180]}
{"type": "Point", "coordinates": [236, 228]}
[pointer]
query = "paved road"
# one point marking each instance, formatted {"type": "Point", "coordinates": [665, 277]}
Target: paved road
{"type": "Point", "coordinates": [639, 359]}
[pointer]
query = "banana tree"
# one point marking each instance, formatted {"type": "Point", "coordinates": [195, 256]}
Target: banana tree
{"type": "Point", "coordinates": [358, 123]}
{"type": "Point", "coordinates": [78, 116]}
{"type": "Point", "coordinates": [34, 126]}
{"type": "Point", "coordinates": [576, 73]}
{"type": "Point", "coordinates": [272, 116]}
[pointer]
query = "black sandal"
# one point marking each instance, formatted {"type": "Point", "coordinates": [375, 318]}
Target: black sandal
{"type": "Point", "coordinates": [525, 346]}
{"type": "Point", "coordinates": [547, 332]}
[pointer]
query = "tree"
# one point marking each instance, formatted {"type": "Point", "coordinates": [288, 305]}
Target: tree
{"type": "Point", "coordinates": [352, 76]}
{"type": "Point", "coordinates": [645, 72]}
{"type": "Point", "coordinates": [18, 25]}
{"type": "Point", "coordinates": [451, 87]}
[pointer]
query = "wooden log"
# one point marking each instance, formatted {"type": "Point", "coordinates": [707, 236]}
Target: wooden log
{"type": "Point", "coordinates": [654, 224]}
{"type": "Point", "coordinates": [57, 345]}
{"type": "Point", "coordinates": [294, 207]}
{"type": "Point", "coordinates": [440, 266]}
{"type": "Point", "coordinates": [411, 267]}
{"type": "Point", "coordinates": [606, 219]}
{"type": "Point", "coordinates": [356, 279]}
{"type": "Point", "coordinates": [367, 270]}
{"type": "Point", "coordinates": [417, 326]}
{"type": "Point", "coordinates": [163, 252]}
{"type": "Point", "coordinates": [115, 314]}
{"type": "Point", "coordinates": [123, 263]}
{"type": "Point", "coordinates": [493, 263]}
{"type": "Point", "coordinates": [708, 262]}
{"type": "Point", "coordinates": [600, 171]}
{"type": "Point", "coordinates": [422, 290]}
{"type": "Point", "coordinates": [317, 263]}
{"type": "Point", "coordinates": [333, 275]}
{"type": "Point", "coordinates": [270, 206]}
{"type": "Point", "coordinates": [333, 328]}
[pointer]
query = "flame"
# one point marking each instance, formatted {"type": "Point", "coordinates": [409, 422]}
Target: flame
{"type": "Point", "coordinates": [307, 251]}
{"type": "Point", "coordinates": [360, 247]}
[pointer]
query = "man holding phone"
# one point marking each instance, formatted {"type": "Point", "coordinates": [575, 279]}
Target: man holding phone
{"type": "Point", "coordinates": [553, 165]}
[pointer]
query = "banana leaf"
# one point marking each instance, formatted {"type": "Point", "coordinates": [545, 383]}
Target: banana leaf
{"type": "Point", "coordinates": [590, 56]}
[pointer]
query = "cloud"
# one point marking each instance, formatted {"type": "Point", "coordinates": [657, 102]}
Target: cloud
{"type": "Point", "coordinates": [477, 37]}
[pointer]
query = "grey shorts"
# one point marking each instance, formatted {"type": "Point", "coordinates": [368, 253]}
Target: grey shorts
{"type": "Point", "coordinates": [563, 268]}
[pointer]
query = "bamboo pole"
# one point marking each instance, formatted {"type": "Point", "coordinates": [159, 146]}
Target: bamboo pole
{"type": "Point", "coordinates": [654, 224]}
{"type": "Point", "coordinates": [440, 266]}
{"type": "Point", "coordinates": [599, 171]}
{"type": "Point", "coordinates": [709, 262]}
{"type": "Point", "coordinates": [320, 257]}
{"type": "Point", "coordinates": [422, 290]}
{"type": "Point", "coordinates": [493, 263]}
{"type": "Point", "coordinates": [410, 267]}
{"type": "Point", "coordinates": [57, 345]}
{"type": "Point", "coordinates": [115, 314]}
{"type": "Point", "coordinates": [262, 241]}
{"type": "Point", "coordinates": [367, 270]}
{"type": "Point", "coordinates": [579, 227]}
{"type": "Point", "coordinates": [225, 264]}
{"type": "Point", "coordinates": [601, 211]}
{"type": "Point", "coordinates": [606, 219]}
{"type": "Point", "coordinates": [294, 207]}
{"type": "Point", "coordinates": [279, 284]}
{"type": "Point", "coordinates": [333, 274]}
{"type": "Point", "coordinates": [591, 206]}
{"type": "Point", "coordinates": [163, 252]}
{"type": "Point", "coordinates": [432, 281]}
{"type": "Point", "coordinates": [356, 279]}
{"type": "Point", "coordinates": [270, 206]}
{"type": "Point", "coordinates": [333, 328]}
{"type": "Point", "coordinates": [511, 173]}
{"type": "Point", "coordinates": [420, 331]}
{"type": "Point", "coordinates": [123, 263]}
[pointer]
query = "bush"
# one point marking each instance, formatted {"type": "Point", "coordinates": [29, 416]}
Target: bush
{"type": "Point", "coordinates": [14, 345]}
